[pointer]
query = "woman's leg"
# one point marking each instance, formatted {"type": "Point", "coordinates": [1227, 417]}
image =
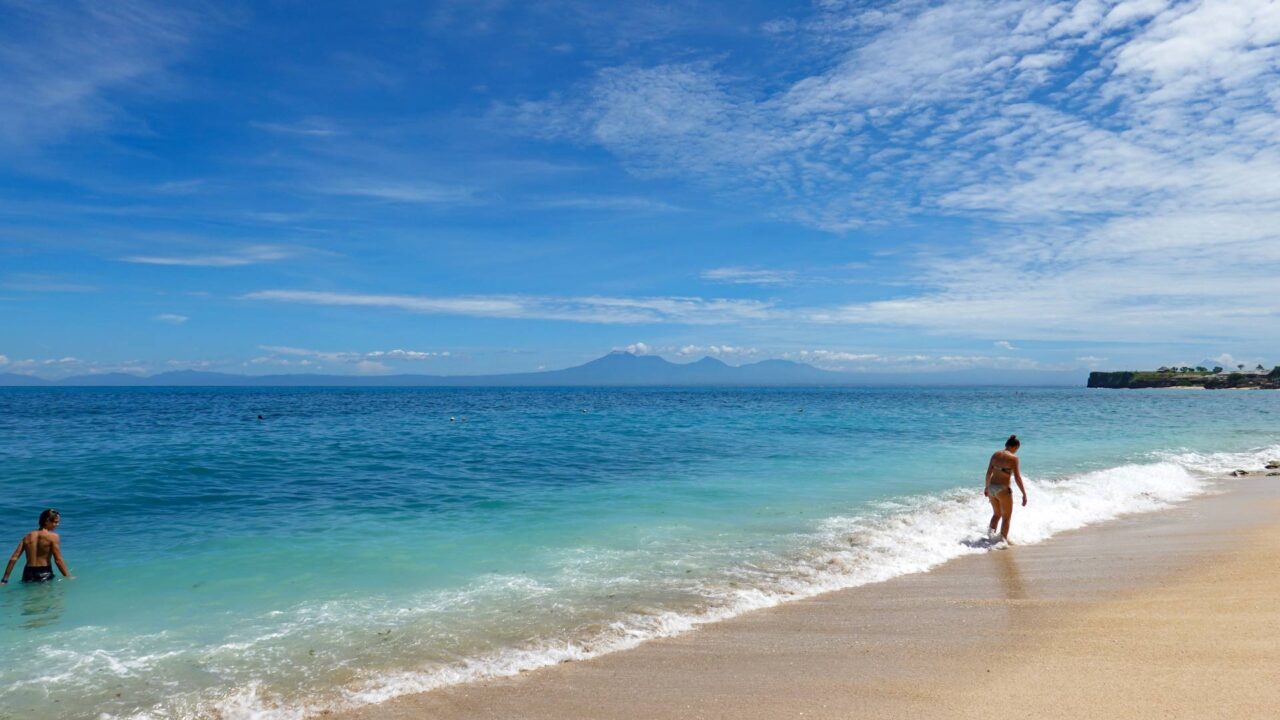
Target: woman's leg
{"type": "Point", "coordinates": [1006, 513]}
{"type": "Point", "coordinates": [995, 510]}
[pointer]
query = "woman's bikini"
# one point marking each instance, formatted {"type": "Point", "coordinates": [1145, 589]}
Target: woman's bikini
{"type": "Point", "coordinates": [1004, 487]}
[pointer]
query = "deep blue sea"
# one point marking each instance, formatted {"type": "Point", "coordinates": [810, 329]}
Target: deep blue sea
{"type": "Point", "coordinates": [355, 545]}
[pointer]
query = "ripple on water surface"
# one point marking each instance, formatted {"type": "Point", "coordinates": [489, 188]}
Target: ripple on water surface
{"type": "Point", "coordinates": [355, 545]}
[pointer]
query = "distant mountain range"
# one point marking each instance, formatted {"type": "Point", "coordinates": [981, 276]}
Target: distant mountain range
{"type": "Point", "coordinates": [614, 369]}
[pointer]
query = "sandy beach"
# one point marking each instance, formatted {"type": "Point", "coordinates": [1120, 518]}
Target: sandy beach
{"type": "Point", "coordinates": [1166, 615]}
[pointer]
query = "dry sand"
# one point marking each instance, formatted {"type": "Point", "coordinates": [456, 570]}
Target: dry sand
{"type": "Point", "coordinates": [1169, 615]}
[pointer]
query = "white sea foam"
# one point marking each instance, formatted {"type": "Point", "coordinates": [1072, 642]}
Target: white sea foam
{"type": "Point", "coordinates": [909, 535]}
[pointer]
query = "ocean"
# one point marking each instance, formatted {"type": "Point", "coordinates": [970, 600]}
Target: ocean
{"type": "Point", "coordinates": [355, 545]}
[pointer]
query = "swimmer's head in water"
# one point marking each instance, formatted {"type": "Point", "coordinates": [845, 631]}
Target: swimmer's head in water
{"type": "Point", "coordinates": [1012, 443]}
{"type": "Point", "coordinates": [50, 517]}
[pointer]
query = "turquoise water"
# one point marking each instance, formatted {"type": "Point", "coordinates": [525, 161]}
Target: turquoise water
{"type": "Point", "coordinates": [359, 544]}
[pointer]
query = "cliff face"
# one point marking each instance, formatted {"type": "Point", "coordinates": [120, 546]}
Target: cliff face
{"type": "Point", "coordinates": [1110, 379]}
{"type": "Point", "coordinates": [1138, 379]}
{"type": "Point", "coordinates": [1142, 379]}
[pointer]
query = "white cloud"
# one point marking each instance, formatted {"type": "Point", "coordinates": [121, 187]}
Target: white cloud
{"type": "Point", "coordinates": [310, 127]}
{"type": "Point", "coordinates": [1211, 45]}
{"type": "Point", "coordinates": [55, 367]}
{"type": "Point", "coordinates": [407, 354]}
{"type": "Point", "coordinates": [1004, 345]}
{"type": "Point", "coordinates": [275, 217]}
{"type": "Point", "coordinates": [717, 351]}
{"type": "Point", "coordinates": [1166, 298]}
{"type": "Point", "coordinates": [191, 363]}
{"type": "Point", "coordinates": [618, 203]}
{"type": "Point", "coordinates": [4, 360]}
{"type": "Point", "coordinates": [748, 276]}
{"type": "Point", "coordinates": [1084, 284]}
{"type": "Point", "coordinates": [845, 360]}
{"type": "Point", "coordinates": [371, 361]}
{"type": "Point", "coordinates": [243, 256]}
{"type": "Point", "coordinates": [286, 362]}
{"type": "Point", "coordinates": [128, 368]}
{"type": "Point", "coordinates": [586, 309]}
{"type": "Point", "coordinates": [421, 193]}
{"type": "Point", "coordinates": [179, 187]}
{"type": "Point", "coordinates": [171, 318]}
{"type": "Point", "coordinates": [1230, 362]}
{"type": "Point", "coordinates": [371, 366]}
{"type": "Point", "coordinates": [780, 26]}
{"type": "Point", "coordinates": [1126, 152]}
{"type": "Point", "coordinates": [341, 357]}
{"type": "Point", "coordinates": [62, 65]}
{"type": "Point", "coordinates": [986, 361]}
{"type": "Point", "coordinates": [837, 358]}
{"type": "Point", "coordinates": [635, 349]}
{"type": "Point", "coordinates": [36, 282]}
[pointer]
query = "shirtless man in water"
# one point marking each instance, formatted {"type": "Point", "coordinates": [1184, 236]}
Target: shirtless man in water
{"type": "Point", "coordinates": [1003, 468]}
{"type": "Point", "coordinates": [39, 545]}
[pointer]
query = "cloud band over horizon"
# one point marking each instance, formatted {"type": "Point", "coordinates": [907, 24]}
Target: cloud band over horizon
{"type": "Point", "coordinates": [1060, 181]}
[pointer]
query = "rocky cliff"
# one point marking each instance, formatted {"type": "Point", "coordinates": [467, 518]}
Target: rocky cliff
{"type": "Point", "coordinates": [1135, 379]}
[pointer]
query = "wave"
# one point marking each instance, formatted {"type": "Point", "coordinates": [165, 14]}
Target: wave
{"type": "Point", "coordinates": [887, 540]}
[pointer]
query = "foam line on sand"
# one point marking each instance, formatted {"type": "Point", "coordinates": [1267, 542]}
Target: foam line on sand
{"type": "Point", "coordinates": [1168, 614]}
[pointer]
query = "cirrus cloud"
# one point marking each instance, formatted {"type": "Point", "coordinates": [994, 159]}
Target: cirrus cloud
{"type": "Point", "coordinates": [586, 309]}
{"type": "Point", "coordinates": [346, 357]}
{"type": "Point", "coordinates": [1120, 156]}
{"type": "Point", "coordinates": [749, 276]}
{"type": "Point", "coordinates": [62, 68]}
{"type": "Point", "coordinates": [243, 256]}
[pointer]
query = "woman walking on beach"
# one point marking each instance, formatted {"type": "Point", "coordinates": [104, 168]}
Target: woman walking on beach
{"type": "Point", "coordinates": [1002, 468]}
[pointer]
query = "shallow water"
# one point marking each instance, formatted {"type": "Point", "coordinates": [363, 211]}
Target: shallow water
{"type": "Point", "coordinates": [359, 544]}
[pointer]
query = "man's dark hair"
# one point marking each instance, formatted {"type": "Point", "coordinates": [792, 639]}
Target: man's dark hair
{"type": "Point", "coordinates": [48, 515]}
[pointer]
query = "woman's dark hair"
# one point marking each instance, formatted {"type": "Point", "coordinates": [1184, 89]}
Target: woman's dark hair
{"type": "Point", "coordinates": [1013, 441]}
{"type": "Point", "coordinates": [48, 515]}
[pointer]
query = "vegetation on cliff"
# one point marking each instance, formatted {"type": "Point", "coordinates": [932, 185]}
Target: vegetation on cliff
{"type": "Point", "coordinates": [1199, 377]}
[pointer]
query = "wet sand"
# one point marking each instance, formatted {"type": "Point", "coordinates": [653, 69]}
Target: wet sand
{"type": "Point", "coordinates": [1166, 615]}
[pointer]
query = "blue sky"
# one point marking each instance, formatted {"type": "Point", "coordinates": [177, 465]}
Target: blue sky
{"type": "Point", "coordinates": [489, 186]}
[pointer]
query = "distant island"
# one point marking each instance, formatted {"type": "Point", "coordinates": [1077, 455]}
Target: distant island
{"type": "Point", "coordinates": [1214, 378]}
{"type": "Point", "coordinates": [617, 369]}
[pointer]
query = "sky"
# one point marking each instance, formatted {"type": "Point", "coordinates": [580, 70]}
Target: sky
{"type": "Point", "coordinates": [485, 186]}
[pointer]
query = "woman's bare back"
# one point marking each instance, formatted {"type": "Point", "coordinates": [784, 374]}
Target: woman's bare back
{"type": "Point", "coordinates": [1004, 461]}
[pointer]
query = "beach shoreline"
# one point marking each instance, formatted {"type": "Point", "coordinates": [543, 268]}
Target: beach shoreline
{"type": "Point", "coordinates": [535, 534]}
{"type": "Point", "coordinates": [944, 643]}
